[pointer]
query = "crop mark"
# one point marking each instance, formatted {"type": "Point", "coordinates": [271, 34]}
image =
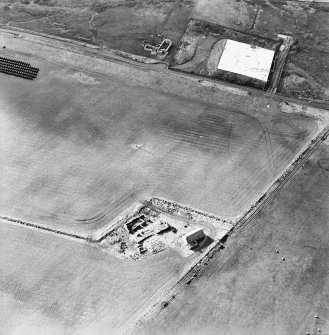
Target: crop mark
{"type": "Point", "coordinates": [140, 147]}
{"type": "Point", "coordinates": [254, 20]}
{"type": "Point", "coordinates": [166, 19]}
{"type": "Point", "coordinates": [269, 149]}
{"type": "Point", "coordinates": [228, 143]}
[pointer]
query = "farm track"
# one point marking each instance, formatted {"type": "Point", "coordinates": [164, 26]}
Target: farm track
{"type": "Point", "coordinates": [247, 219]}
{"type": "Point", "coordinates": [242, 224]}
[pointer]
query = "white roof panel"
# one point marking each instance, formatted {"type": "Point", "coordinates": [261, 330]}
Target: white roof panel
{"type": "Point", "coordinates": [196, 230]}
{"type": "Point", "coordinates": [247, 60]}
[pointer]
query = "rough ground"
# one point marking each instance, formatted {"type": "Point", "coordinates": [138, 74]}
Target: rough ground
{"type": "Point", "coordinates": [306, 74]}
{"type": "Point", "coordinates": [121, 25]}
{"type": "Point", "coordinates": [307, 21]}
{"type": "Point", "coordinates": [247, 288]}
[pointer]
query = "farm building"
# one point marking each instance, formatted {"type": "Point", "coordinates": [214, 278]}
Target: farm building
{"type": "Point", "coordinates": [246, 60]}
{"type": "Point", "coordinates": [192, 237]}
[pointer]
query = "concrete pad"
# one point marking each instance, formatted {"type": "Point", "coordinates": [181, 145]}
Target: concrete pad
{"type": "Point", "coordinates": [247, 60]}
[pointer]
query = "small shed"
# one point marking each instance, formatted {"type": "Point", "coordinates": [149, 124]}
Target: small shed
{"type": "Point", "coordinates": [194, 236]}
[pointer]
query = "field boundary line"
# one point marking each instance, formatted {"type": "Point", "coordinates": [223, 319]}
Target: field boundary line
{"type": "Point", "coordinates": [35, 226]}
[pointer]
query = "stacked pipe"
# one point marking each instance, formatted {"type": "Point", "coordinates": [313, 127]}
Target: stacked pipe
{"type": "Point", "coordinates": [18, 68]}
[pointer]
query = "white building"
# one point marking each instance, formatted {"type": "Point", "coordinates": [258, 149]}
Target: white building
{"type": "Point", "coordinates": [246, 60]}
{"type": "Point", "coordinates": [192, 237]}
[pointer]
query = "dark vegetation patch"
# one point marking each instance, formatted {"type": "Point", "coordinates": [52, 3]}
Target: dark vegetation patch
{"type": "Point", "coordinates": [305, 74]}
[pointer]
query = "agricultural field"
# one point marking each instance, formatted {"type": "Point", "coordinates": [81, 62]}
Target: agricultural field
{"type": "Point", "coordinates": [272, 277]}
{"type": "Point", "coordinates": [79, 150]}
{"type": "Point", "coordinates": [53, 285]}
